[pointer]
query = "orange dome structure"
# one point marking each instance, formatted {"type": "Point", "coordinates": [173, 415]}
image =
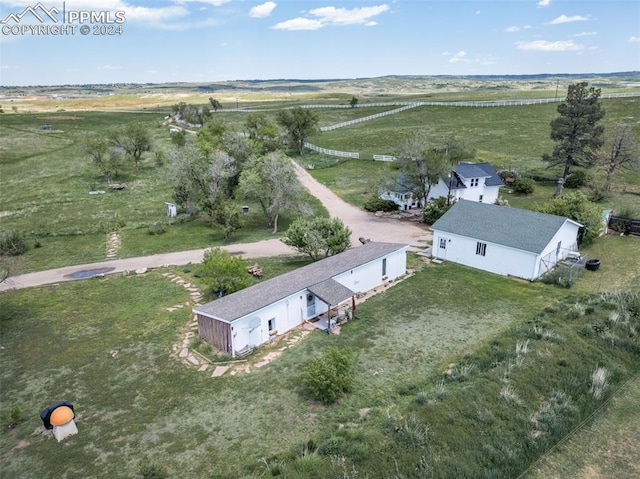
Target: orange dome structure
{"type": "Point", "coordinates": [61, 416]}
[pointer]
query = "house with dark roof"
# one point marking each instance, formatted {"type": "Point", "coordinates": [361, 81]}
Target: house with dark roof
{"type": "Point", "coordinates": [503, 240]}
{"type": "Point", "coordinates": [466, 181]}
{"type": "Point", "coordinates": [250, 317]}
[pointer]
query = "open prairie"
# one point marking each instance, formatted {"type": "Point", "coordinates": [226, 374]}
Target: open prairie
{"type": "Point", "coordinates": [460, 373]}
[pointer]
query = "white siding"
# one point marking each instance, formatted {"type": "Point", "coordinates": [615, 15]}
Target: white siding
{"type": "Point", "coordinates": [497, 259]}
{"type": "Point", "coordinates": [292, 311]}
{"type": "Point", "coordinates": [566, 236]}
{"type": "Point", "coordinates": [369, 276]}
{"type": "Point", "coordinates": [288, 313]}
{"type": "Point", "coordinates": [470, 193]}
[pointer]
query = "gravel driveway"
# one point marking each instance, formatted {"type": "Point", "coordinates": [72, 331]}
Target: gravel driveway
{"type": "Point", "coordinates": [362, 224]}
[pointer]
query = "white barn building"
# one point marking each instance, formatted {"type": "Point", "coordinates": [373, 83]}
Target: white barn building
{"type": "Point", "coordinates": [248, 318]}
{"type": "Point", "coordinates": [503, 240]}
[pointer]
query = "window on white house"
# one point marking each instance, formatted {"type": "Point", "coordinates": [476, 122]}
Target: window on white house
{"type": "Point", "coordinates": [481, 248]}
{"type": "Point", "coordinates": [384, 266]}
{"type": "Point", "coordinates": [272, 324]}
{"type": "Point", "coordinates": [443, 243]}
{"type": "Point", "coordinates": [480, 198]}
{"type": "Point", "coordinates": [474, 181]}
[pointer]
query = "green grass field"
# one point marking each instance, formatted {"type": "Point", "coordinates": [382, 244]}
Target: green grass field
{"type": "Point", "coordinates": [57, 343]}
{"type": "Point", "coordinates": [144, 406]}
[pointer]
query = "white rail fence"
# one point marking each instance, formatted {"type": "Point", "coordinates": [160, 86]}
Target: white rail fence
{"type": "Point", "coordinates": [367, 118]}
{"type": "Point", "coordinates": [384, 158]}
{"type": "Point", "coordinates": [325, 151]}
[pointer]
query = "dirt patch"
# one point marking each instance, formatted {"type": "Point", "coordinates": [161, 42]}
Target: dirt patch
{"type": "Point", "coordinates": [59, 117]}
{"type": "Point", "coordinates": [21, 445]}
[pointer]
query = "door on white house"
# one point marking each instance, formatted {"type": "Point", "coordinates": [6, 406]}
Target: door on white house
{"type": "Point", "coordinates": [442, 248]}
{"type": "Point", "coordinates": [311, 305]}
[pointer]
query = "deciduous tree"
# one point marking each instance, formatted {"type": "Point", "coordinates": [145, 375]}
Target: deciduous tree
{"type": "Point", "coordinates": [318, 236]}
{"type": "Point", "coordinates": [215, 104]}
{"type": "Point", "coordinates": [576, 206]}
{"type": "Point", "coordinates": [300, 124]}
{"type": "Point", "coordinates": [271, 181]}
{"type": "Point", "coordinates": [107, 158]}
{"type": "Point", "coordinates": [421, 166]}
{"type": "Point", "coordinates": [577, 131]}
{"type": "Point", "coordinates": [134, 139]}
{"type": "Point", "coordinates": [222, 272]}
{"type": "Point", "coordinates": [620, 153]}
{"type": "Point", "coordinates": [263, 132]}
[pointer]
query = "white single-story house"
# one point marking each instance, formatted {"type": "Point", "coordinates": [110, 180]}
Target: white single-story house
{"type": "Point", "coordinates": [250, 317]}
{"type": "Point", "coordinates": [503, 240]}
{"type": "Point", "coordinates": [467, 181]}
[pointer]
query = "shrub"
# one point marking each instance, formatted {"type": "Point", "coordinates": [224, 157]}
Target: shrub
{"type": "Point", "coordinates": [152, 471]}
{"type": "Point", "coordinates": [525, 186]}
{"type": "Point", "coordinates": [156, 228]}
{"type": "Point", "coordinates": [11, 417]}
{"type": "Point", "coordinates": [328, 377]}
{"type": "Point", "coordinates": [13, 244]}
{"type": "Point", "coordinates": [577, 179]}
{"type": "Point", "coordinates": [435, 208]}
{"type": "Point", "coordinates": [599, 382]}
{"type": "Point", "coordinates": [378, 204]}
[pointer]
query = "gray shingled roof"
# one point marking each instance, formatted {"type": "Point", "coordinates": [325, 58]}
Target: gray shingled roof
{"type": "Point", "coordinates": [479, 170]}
{"type": "Point", "coordinates": [331, 292]}
{"type": "Point", "coordinates": [239, 304]}
{"type": "Point", "coordinates": [521, 229]}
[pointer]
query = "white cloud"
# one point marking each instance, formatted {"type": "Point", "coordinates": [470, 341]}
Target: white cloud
{"type": "Point", "coordinates": [512, 29]}
{"type": "Point", "coordinates": [458, 57]}
{"type": "Point", "coordinates": [543, 3]}
{"type": "Point", "coordinates": [147, 14]}
{"type": "Point", "coordinates": [584, 34]}
{"type": "Point", "coordinates": [564, 19]}
{"type": "Point", "coordinates": [110, 67]}
{"type": "Point", "coordinates": [261, 11]}
{"type": "Point", "coordinates": [299, 24]}
{"type": "Point", "coordinates": [333, 16]}
{"type": "Point", "coordinates": [477, 12]}
{"type": "Point", "coordinates": [546, 46]}
{"type": "Point", "coordinates": [345, 16]}
{"type": "Point", "coordinates": [634, 39]}
{"type": "Point", "coordinates": [215, 3]}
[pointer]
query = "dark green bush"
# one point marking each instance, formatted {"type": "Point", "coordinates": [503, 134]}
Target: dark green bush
{"type": "Point", "coordinates": [525, 186]}
{"type": "Point", "coordinates": [11, 417]}
{"type": "Point", "coordinates": [328, 377]}
{"type": "Point", "coordinates": [378, 204]}
{"type": "Point", "coordinates": [435, 208]}
{"type": "Point", "coordinates": [577, 179]}
{"type": "Point", "coordinates": [156, 228]}
{"type": "Point", "coordinates": [13, 243]}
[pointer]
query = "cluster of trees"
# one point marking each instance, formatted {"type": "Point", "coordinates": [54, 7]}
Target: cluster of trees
{"type": "Point", "coordinates": [112, 152]}
{"type": "Point", "coordinates": [190, 113]}
{"type": "Point", "coordinates": [581, 141]}
{"type": "Point", "coordinates": [222, 166]}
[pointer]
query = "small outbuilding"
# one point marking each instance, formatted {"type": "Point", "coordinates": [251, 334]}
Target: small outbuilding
{"type": "Point", "coordinates": [248, 318]}
{"type": "Point", "coordinates": [503, 240]}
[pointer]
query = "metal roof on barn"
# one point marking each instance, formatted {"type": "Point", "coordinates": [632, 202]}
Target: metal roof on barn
{"type": "Point", "coordinates": [520, 229]}
{"type": "Point", "coordinates": [251, 299]}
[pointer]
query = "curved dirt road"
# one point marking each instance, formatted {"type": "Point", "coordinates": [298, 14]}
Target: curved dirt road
{"type": "Point", "coordinates": [362, 224]}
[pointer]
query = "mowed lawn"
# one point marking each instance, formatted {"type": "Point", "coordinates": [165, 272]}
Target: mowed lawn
{"type": "Point", "coordinates": [58, 343]}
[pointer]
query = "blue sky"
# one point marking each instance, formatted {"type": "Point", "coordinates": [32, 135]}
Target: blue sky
{"type": "Point", "coordinates": [212, 40]}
